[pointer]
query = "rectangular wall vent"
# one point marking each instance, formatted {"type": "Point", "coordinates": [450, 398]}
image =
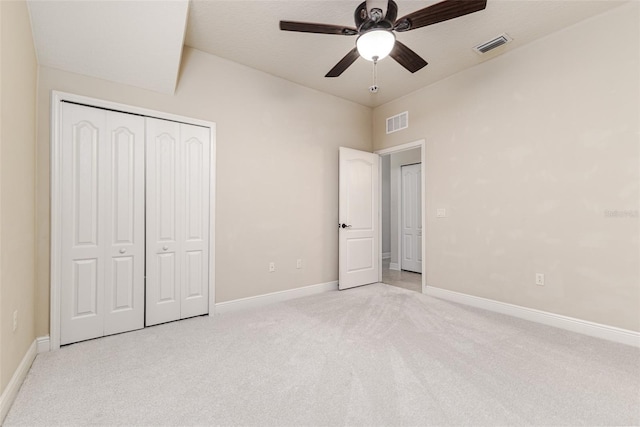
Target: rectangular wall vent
{"type": "Point", "coordinates": [492, 44]}
{"type": "Point", "coordinates": [398, 122]}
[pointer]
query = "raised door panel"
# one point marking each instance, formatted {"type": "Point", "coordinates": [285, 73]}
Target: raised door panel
{"type": "Point", "coordinates": [85, 288]}
{"type": "Point", "coordinates": [195, 222]}
{"type": "Point", "coordinates": [124, 268]}
{"type": "Point", "coordinates": [164, 213]}
{"type": "Point", "coordinates": [360, 210]}
{"type": "Point", "coordinates": [82, 263]}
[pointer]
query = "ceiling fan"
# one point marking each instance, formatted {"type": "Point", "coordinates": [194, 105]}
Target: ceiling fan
{"type": "Point", "coordinates": [375, 28]}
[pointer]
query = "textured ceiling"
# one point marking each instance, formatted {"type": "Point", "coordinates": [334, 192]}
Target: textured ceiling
{"type": "Point", "coordinates": [247, 32]}
{"type": "Point", "coordinates": [139, 42]}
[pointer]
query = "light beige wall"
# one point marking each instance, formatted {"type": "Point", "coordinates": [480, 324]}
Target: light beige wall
{"type": "Point", "coordinates": [18, 78]}
{"type": "Point", "coordinates": [277, 169]}
{"type": "Point", "coordinates": [528, 152]}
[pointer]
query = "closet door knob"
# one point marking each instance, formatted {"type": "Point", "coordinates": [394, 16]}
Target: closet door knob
{"type": "Point", "coordinates": [165, 248]}
{"type": "Point", "coordinates": [122, 250]}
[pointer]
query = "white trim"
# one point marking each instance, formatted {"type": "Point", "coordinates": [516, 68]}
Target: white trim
{"type": "Point", "coordinates": [423, 200]}
{"type": "Point", "coordinates": [43, 344]}
{"type": "Point", "coordinates": [402, 147]}
{"type": "Point", "coordinates": [398, 265]}
{"type": "Point", "coordinates": [9, 394]}
{"type": "Point", "coordinates": [386, 255]}
{"type": "Point", "coordinates": [380, 255]}
{"type": "Point", "coordinates": [125, 108]}
{"type": "Point", "coordinates": [598, 330]}
{"type": "Point", "coordinates": [56, 222]}
{"type": "Point", "coordinates": [212, 221]}
{"type": "Point", "coordinates": [266, 299]}
{"type": "Point", "coordinates": [55, 177]}
{"type": "Point", "coordinates": [421, 143]}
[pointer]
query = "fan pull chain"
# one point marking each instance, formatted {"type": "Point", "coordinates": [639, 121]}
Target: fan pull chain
{"type": "Point", "coordinates": [374, 87]}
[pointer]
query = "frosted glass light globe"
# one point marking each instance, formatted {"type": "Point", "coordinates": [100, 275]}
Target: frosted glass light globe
{"type": "Point", "coordinates": [375, 43]}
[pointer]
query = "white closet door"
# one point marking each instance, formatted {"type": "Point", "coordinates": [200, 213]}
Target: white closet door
{"type": "Point", "coordinates": [163, 212]}
{"type": "Point", "coordinates": [412, 217]}
{"type": "Point", "coordinates": [195, 272]}
{"type": "Point", "coordinates": [82, 293]}
{"type": "Point", "coordinates": [177, 221]}
{"type": "Point", "coordinates": [124, 223]}
{"type": "Point", "coordinates": [102, 213]}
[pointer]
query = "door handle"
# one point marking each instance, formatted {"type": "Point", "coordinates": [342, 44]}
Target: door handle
{"type": "Point", "coordinates": [343, 226]}
{"type": "Point", "coordinates": [122, 250]}
{"type": "Point", "coordinates": [165, 248]}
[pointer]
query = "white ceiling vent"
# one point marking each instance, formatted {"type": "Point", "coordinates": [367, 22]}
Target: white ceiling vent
{"type": "Point", "coordinates": [398, 122]}
{"type": "Point", "coordinates": [492, 44]}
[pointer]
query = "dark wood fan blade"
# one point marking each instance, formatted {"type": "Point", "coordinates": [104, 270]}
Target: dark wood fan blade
{"type": "Point", "coordinates": [392, 12]}
{"type": "Point", "coordinates": [310, 27]}
{"type": "Point", "coordinates": [439, 12]}
{"type": "Point", "coordinates": [360, 15]}
{"type": "Point", "coordinates": [344, 63]}
{"type": "Point", "coordinates": [407, 58]}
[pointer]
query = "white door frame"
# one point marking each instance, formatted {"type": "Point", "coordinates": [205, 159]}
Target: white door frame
{"type": "Point", "coordinates": [56, 192]}
{"type": "Point", "coordinates": [423, 159]}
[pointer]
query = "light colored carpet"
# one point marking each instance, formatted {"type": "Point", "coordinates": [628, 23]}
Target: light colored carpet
{"type": "Point", "coordinates": [375, 355]}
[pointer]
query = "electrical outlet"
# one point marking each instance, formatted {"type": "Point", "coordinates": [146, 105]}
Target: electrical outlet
{"type": "Point", "coordinates": [298, 263]}
{"type": "Point", "coordinates": [272, 267]}
{"type": "Point", "coordinates": [441, 213]}
{"type": "Point", "coordinates": [15, 320]}
{"type": "Point", "coordinates": [539, 279]}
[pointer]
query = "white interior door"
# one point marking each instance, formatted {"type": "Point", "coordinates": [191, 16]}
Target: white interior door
{"type": "Point", "coordinates": [163, 211]}
{"type": "Point", "coordinates": [102, 236]}
{"type": "Point", "coordinates": [124, 223]}
{"type": "Point", "coordinates": [411, 218]}
{"type": "Point", "coordinates": [195, 258]}
{"type": "Point", "coordinates": [177, 221]}
{"type": "Point", "coordinates": [358, 216]}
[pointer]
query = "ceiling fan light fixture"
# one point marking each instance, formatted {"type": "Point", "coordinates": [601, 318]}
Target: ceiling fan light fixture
{"type": "Point", "coordinates": [375, 43]}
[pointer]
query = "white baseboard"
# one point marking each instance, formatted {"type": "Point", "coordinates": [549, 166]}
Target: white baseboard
{"type": "Point", "coordinates": [394, 266]}
{"type": "Point", "coordinates": [43, 344]}
{"type": "Point", "coordinates": [9, 394]}
{"type": "Point", "coordinates": [598, 330]}
{"type": "Point", "coordinates": [262, 300]}
{"type": "Point", "coordinates": [386, 255]}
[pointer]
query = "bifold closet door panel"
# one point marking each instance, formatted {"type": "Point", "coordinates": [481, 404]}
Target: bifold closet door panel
{"type": "Point", "coordinates": [82, 291]}
{"type": "Point", "coordinates": [177, 221]}
{"type": "Point", "coordinates": [164, 208]}
{"type": "Point", "coordinates": [195, 258]}
{"type": "Point", "coordinates": [124, 222]}
{"type": "Point", "coordinates": [102, 184]}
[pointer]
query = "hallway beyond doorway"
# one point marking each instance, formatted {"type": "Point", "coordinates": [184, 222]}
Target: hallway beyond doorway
{"type": "Point", "coordinates": [401, 278]}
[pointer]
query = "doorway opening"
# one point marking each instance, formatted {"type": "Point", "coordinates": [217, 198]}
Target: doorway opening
{"type": "Point", "coordinates": [402, 247]}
